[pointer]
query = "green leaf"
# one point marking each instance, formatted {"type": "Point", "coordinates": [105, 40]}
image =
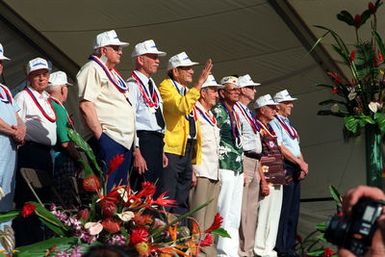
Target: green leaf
{"type": "Point", "coordinates": [47, 217]}
{"type": "Point", "coordinates": [316, 252]}
{"type": "Point", "coordinates": [380, 120]}
{"type": "Point", "coordinates": [365, 15]}
{"type": "Point", "coordinates": [346, 17]}
{"type": "Point", "coordinates": [40, 249]}
{"type": "Point", "coordinates": [332, 101]}
{"type": "Point", "coordinates": [221, 232]}
{"type": "Point", "coordinates": [318, 41]}
{"type": "Point", "coordinates": [351, 124]}
{"type": "Point", "coordinates": [321, 227]}
{"type": "Point", "coordinates": [324, 85]}
{"type": "Point", "coordinates": [364, 119]}
{"type": "Point", "coordinates": [336, 195]}
{"type": "Point", "coordinates": [380, 43]}
{"type": "Point", "coordinates": [6, 216]}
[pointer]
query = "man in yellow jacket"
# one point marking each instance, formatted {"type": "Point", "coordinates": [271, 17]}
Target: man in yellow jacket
{"type": "Point", "coordinates": [182, 136]}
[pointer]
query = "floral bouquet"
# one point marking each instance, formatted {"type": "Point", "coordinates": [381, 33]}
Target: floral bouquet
{"type": "Point", "coordinates": [133, 220]}
{"type": "Point", "coordinates": [359, 98]}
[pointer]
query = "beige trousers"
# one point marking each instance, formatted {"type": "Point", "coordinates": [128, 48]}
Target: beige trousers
{"type": "Point", "coordinates": [205, 190]}
{"type": "Point", "coordinates": [249, 213]}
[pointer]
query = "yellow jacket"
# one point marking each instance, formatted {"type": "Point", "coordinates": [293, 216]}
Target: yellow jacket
{"type": "Point", "coordinates": [175, 109]}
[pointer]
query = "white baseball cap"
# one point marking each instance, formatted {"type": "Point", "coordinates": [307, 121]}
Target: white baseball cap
{"type": "Point", "coordinates": [264, 101]}
{"type": "Point", "coordinates": [180, 60]}
{"type": "Point", "coordinates": [146, 47]}
{"type": "Point", "coordinates": [58, 78]}
{"type": "Point", "coordinates": [283, 96]}
{"type": "Point", "coordinates": [211, 82]}
{"type": "Point", "coordinates": [229, 80]}
{"type": "Point", "coordinates": [246, 81]}
{"type": "Point", "coordinates": [37, 64]}
{"type": "Point", "coordinates": [108, 38]}
{"type": "Point", "coordinates": [2, 57]}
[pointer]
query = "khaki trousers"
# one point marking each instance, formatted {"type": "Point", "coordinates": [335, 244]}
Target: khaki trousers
{"type": "Point", "coordinates": [205, 190]}
{"type": "Point", "coordinates": [249, 213]}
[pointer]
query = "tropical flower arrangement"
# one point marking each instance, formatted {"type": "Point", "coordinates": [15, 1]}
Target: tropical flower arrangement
{"type": "Point", "coordinates": [133, 220]}
{"type": "Point", "coordinates": [361, 98]}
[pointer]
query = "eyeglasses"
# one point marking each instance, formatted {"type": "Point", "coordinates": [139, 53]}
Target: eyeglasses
{"type": "Point", "coordinates": [232, 90]}
{"type": "Point", "coordinates": [115, 48]}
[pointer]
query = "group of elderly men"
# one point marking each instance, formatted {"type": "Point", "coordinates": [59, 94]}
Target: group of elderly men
{"type": "Point", "coordinates": [198, 141]}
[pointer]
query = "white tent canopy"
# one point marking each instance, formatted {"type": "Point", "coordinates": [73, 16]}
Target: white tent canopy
{"type": "Point", "coordinates": [267, 39]}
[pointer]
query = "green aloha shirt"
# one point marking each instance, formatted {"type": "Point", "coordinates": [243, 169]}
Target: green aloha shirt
{"type": "Point", "coordinates": [230, 155]}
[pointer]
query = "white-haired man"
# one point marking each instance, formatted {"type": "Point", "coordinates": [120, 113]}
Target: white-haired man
{"type": "Point", "coordinates": [66, 155]}
{"type": "Point", "coordinates": [182, 134]}
{"type": "Point", "coordinates": [40, 119]}
{"type": "Point", "coordinates": [12, 133]}
{"type": "Point", "coordinates": [105, 106]}
{"type": "Point", "coordinates": [230, 165]}
{"type": "Point", "coordinates": [205, 180]}
{"type": "Point", "coordinates": [296, 169]}
{"type": "Point", "coordinates": [149, 158]}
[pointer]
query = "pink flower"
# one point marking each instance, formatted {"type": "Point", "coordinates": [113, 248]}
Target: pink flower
{"type": "Point", "coordinates": [94, 228]}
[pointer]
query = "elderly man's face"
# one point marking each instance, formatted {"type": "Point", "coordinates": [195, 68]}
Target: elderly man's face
{"type": "Point", "coordinates": [149, 62]}
{"type": "Point", "coordinates": [231, 93]}
{"type": "Point", "coordinates": [210, 95]}
{"type": "Point", "coordinates": [39, 79]}
{"type": "Point", "coordinates": [249, 92]}
{"type": "Point", "coordinates": [268, 111]}
{"type": "Point", "coordinates": [285, 108]}
{"type": "Point", "coordinates": [113, 53]}
{"type": "Point", "coordinates": [184, 75]}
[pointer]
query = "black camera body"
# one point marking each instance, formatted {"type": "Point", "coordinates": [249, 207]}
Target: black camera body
{"type": "Point", "coordinates": [355, 233]}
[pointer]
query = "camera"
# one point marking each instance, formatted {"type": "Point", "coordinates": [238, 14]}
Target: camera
{"type": "Point", "coordinates": [355, 233]}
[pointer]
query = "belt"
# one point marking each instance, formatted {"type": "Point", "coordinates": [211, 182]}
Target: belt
{"type": "Point", "coordinates": [149, 132]}
{"type": "Point", "coordinates": [252, 155]}
{"type": "Point", "coordinates": [37, 145]}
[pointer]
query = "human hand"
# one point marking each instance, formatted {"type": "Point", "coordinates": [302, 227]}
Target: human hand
{"type": "Point", "coordinates": [204, 74]}
{"type": "Point", "coordinates": [165, 160]}
{"type": "Point", "coordinates": [265, 189]}
{"type": "Point", "coordinates": [140, 164]}
{"type": "Point", "coordinates": [350, 199]}
{"type": "Point", "coordinates": [302, 175]}
{"type": "Point", "coordinates": [304, 166]}
{"type": "Point", "coordinates": [19, 133]}
{"type": "Point", "coordinates": [194, 179]}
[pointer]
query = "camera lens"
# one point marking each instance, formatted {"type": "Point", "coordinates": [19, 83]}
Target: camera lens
{"type": "Point", "coordinates": [336, 230]}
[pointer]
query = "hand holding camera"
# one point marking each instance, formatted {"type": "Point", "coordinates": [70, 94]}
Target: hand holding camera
{"type": "Point", "coordinates": [361, 231]}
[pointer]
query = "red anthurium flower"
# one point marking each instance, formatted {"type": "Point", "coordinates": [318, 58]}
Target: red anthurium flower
{"type": "Point", "coordinates": [28, 210]}
{"type": "Point", "coordinates": [139, 235]}
{"type": "Point", "coordinates": [207, 241]}
{"type": "Point", "coordinates": [216, 224]}
{"type": "Point", "coordinates": [91, 183]}
{"type": "Point", "coordinates": [115, 163]}
{"type": "Point", "coordinates": [328, 252]}
{"type": "Point", "coordinates": [111, 226]}
{"type": "Point", "coordinates": [352, 56]}
{"type": "Point", "coordinates": [357, 21]}
{"type": "Point", "coordinates": [372, 8]}
{"type": "Point", "coordinates": [108, 208]}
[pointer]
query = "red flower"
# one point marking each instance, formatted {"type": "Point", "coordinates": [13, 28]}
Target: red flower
{"type": "Point", "coordinates": [28, 210]}
{"type": "Point", "coordinates": [380, 58]}
{"type": "Point", "coordinates": [91, 183]}
{"type": "Point", "coordinates": [142, 220]}
{"type": "Point", "coordinates": [357, 21]}
{"type": "Point", "coordinates": [163, 201]}
{"type": "Point", "coordinates": [138, 235]}
{"type": "Point", "coordinates": [148, 189]}
{"type": "Point", "coordinates": [340, 214]}
{"type": "Point", "coordinates": [334, 91]}
{"type": "Point", "coordinates": [336, 77]}
{"type": "Point", "coordinates": [108, 208]}
{"type": "Point", "coordinates": [372, 8]}
{"type": "Point", "coordinates": [83, 214]}
{"type": "Point", "coordinates": [207, 241]}
{"type": "Point", "coordinates": [352, 56]}
{"type": "Point", "coordinates": [328, 252]}
{"type": "Point", "coordinates": [115, 162]}
{"type": "Point", "coordinates": [111, 226]}
{"type": "Point", "coordinates": [216, 224]}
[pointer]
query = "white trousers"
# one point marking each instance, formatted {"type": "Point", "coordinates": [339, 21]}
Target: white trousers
{"type": "Point", "coordinates": [268, 221]}
{"type": "Point", "coordinates": [229, 206]}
